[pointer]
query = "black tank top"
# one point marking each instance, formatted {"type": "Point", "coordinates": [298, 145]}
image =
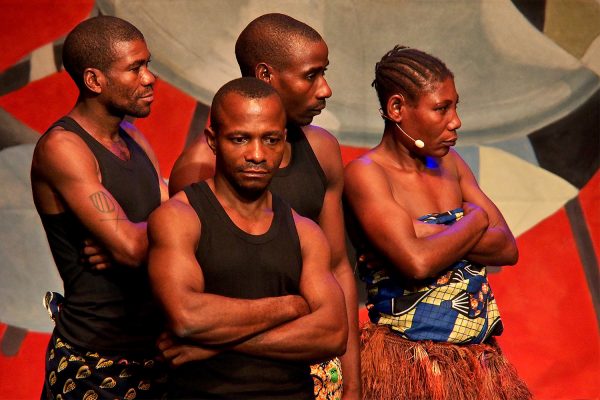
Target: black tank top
{"type": "Point", "coordinates": [109, 311]}
{"type": "Point", "coordinates": [241, 265]}
{"type": "Point", "coordinates": [302, 183]}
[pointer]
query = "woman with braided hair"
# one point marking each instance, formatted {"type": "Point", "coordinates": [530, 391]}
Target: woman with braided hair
{"type": "Point", "coordinates": [424, 232]}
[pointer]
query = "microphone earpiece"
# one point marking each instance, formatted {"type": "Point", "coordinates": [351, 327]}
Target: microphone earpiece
{"type": "Point", "coordinates": [419, 143]}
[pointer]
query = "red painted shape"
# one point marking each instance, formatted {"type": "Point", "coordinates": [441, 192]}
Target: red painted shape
{"type": "Point", "coordinates": [349, 153]}
{"type": "Point", "coordinates": [27, 25]}
{"type": "Point", "coordinates": [42, 102]}
{"type": "Point", "coordinates": [22, 375]}
{"type": "Point", "coordinates": [168, 124]}
{"type": "Point", "coordinates": [551, 334]}
{"type": "Point", "coordinates": [589, 198]}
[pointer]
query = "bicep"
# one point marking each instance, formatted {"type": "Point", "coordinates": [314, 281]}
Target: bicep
{"type": "Point", "coordinates": [385, 223]}
{"type": "Point", "coordinates": [318, 286]}
{"type": "Point", "coordinates": [172, 266]}
{"type": "Point", "coordinates": [73, 173]}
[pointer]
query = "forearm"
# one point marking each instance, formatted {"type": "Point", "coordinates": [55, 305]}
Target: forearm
{"type": "Point", "coordinates": [217, 320]}
{"type": "Point", "coordinates": [351, 358]}
{"type": "Point", "coordinates": [129, 246]}
{"type": "Point", "coordinates": [496, 247]}
{"type": "Point", "coordinates": [432, 254]}
{"type": "Point", "coordinates": [315, 337]}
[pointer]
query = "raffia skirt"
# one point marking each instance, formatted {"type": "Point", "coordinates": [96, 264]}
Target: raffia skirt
{"type": "Point", "coordinates": [394, 368]}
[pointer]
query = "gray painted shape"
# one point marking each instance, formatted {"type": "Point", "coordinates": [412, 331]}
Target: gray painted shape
{"type": "Point", "coordinates": [28, 270]}
{"type": "Point", "coordinates": [471, 156]}
{"type": "Point", "coordinates": [511, 78]}
{"type": "Point", "coordinates": [520, 147]}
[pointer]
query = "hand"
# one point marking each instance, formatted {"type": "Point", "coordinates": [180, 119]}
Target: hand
{"type": "Point", "coordinates": [300, 305]}
{"type": "Point", "coordinates": [423, 230]}
{"type": "Point", "coordinates": [478, 212]}
{"type": "Point", "coordinates": [369, 260]}
{"type": "Point", "coordinates": [95, 255]}
{"type": "Point", "coordinates": [176, 353]}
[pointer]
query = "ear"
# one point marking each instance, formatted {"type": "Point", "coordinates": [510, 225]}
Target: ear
{"type": "Point", "coordinates": [211, 138]}
{"type": "Point", "coordinates": [263, 72]}
{"type": "Point", "coordinates": [94, 79]}
{"type": "Point", "coordinates": [394, 107]}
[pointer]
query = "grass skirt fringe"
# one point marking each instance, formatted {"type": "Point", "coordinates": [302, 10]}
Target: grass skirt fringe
{"type": "Point", "coordinates": [394, 368]}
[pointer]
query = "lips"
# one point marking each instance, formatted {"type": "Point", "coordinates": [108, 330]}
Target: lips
{"type": "Point", "coordinates": [255, 172]}
{"type": "Point", "coordinates": [148, 97]}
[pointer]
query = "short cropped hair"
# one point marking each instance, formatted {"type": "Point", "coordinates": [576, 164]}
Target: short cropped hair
{"type": "Point", "coordinates": [409, 72]}
{"type": "Point", "coordinates": [91, 44]}
{"type": "Point", "coordinates": [247, 87]}
{"type": "Point", "coordinates": [270, 38]}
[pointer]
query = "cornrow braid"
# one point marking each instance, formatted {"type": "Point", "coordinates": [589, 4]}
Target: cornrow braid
{"type": "Point", "coordinates": [409, 72]}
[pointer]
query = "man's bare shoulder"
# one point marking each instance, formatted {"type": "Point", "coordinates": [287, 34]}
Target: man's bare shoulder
{"type": "Point", "coordinates": [59, 147]}
{"type": "Point", "coordinates": [320, 139]}
{"type": "Point", "coordinates": [327, 150]}
{"type": "Point", "coordinates": [174, 215]}
{"type": "Point", "coordinates": [196, 163]}
{"type": "Point", "coordinates": [308, 230]}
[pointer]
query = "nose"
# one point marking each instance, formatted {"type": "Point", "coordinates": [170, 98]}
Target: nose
{"type": "Point", "coordinates": [455, 122]}
{"type": "Point", "coordinates": [324, 91]}
{"type": "Point", "coordinates": [255, 152]}
{"type": "Point", "coordinates": [148, 78]}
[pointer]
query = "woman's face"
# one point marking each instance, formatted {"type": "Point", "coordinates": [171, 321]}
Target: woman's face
{"type": "Point", "coordinates": [434, 119]}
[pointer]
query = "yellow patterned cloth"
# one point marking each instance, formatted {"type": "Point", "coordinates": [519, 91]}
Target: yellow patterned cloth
{"type": "Point", "coordinates": [74, 374]}
{"type": "Point", "coordinates": [327, 377]}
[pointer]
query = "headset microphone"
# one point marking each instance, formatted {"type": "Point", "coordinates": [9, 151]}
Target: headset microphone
{"type": "Point", "coordinates": [419, 143]}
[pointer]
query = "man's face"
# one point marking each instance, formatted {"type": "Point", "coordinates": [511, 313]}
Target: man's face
{"type": "Point", "coordinates": [301, 84]}
{"type": "Point", "coordinates": [249, 143]}
{"type": "Point", "coordinates": [434, 119]}
{"type": "Point", "coordinates": [129, 81]}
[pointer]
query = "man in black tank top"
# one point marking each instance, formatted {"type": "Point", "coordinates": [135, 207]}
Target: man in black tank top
{"type": "Point", "coordinates": [244, 280]}
{"type": "Point", "coordinates": [292, 57]}
{"type": "Point", "coordinates": [95, 178]}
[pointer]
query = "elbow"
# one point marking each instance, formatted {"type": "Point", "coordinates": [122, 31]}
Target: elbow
{"type": "Point", "coordinates": [418, 268]}
{"type": "Point", "coordinates": [337, 339]}
{"type": "Point", "coordinates": [512, 255]}
{"type": "Point", "coordinates": [132, 254]}
{"type": "Point", "coordinates": [179, 324]}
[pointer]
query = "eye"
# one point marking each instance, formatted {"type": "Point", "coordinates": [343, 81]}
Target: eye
{"type": "Point", "coordinates": [272, 140]}
{"type": "Point", "coordinates": [238, 139]}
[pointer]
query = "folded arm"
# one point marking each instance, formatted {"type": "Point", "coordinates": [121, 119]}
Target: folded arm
{"type": "Point", "coordinates": [178, 283]}
{"type": "Point", "coordinates": [321, 334]}
{"type": "Point", "coordinates": [391, 229]}
{"type": "Point", "coordinates": [65, 175]}
{"type": "Point", "coordinates": [497, 246]}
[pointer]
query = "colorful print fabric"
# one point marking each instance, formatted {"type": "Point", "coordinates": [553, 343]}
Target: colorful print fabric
{"type": "Point", "coordinates": [456, 307]}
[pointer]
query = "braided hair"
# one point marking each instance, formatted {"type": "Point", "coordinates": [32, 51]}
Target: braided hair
{"type": "Point", "coordinates": [409, 72]}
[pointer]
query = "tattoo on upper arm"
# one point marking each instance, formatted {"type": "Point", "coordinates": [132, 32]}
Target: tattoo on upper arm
{"type": "Point", "coordinates": [106, 205]}
{"type": "Point", "coordinates": [102, 202]}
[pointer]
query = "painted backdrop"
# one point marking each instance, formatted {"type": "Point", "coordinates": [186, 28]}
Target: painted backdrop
{"type": "Point", "coordinates": [528, 77]}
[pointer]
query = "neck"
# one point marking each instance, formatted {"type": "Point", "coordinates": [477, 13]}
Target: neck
{"type": "Point", "coordinates": [96, 120]}
{"type": "Point", "coordinates": [231, 198]}
{"type": "Point", "coordinates": [397, 150]}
